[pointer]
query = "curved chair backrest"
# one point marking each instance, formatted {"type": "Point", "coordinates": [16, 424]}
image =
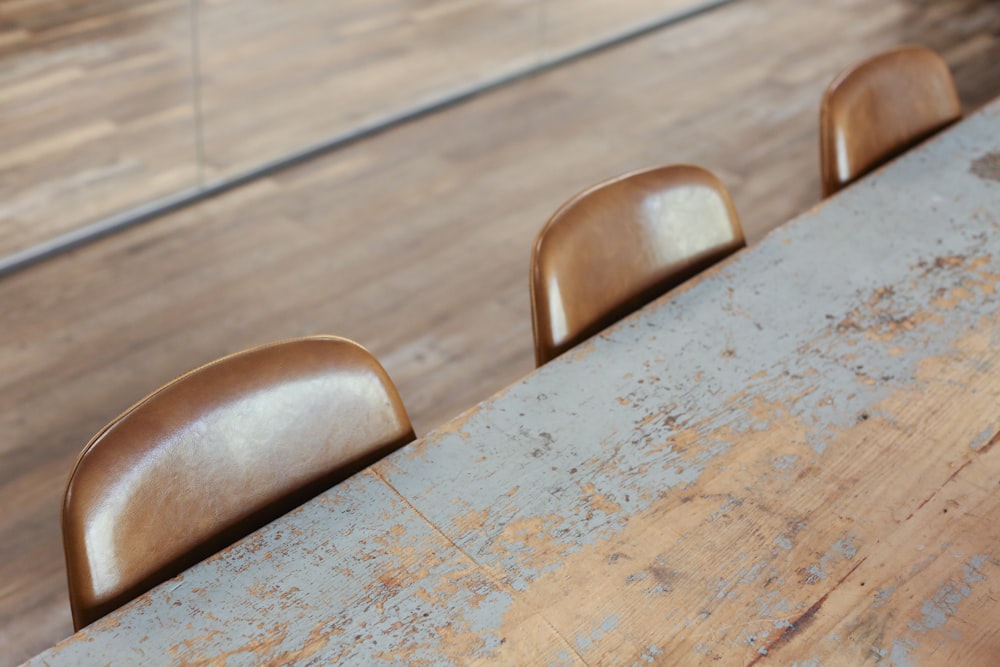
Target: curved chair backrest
{"type": "Point", "coordinates": [879, 108]}
{"type": "Point", "coordinates": [216, 454]}
{"type": "Point", "coordinates": [620, 244]}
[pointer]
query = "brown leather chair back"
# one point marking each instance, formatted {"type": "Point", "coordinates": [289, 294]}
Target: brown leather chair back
{"type": "Point", "coordinates": [216, 454]}
{"type": "Point", "coordinates": [619, 244]}
{"type": "Point", "coordinates": [881, 107]}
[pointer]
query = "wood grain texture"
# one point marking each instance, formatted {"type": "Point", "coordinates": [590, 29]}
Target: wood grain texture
{"type": "Point", "coordinates": [809, 479]}
{"type": "Point", "coordinates": [416, 242]}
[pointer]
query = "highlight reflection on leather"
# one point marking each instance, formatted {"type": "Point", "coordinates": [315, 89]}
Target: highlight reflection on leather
{"type": "Point", "coordinates": [620, 244]}
{"type": "Point", "coordinates": [214, 455]}
{"type": "Point", "coordinates": [879, 108]}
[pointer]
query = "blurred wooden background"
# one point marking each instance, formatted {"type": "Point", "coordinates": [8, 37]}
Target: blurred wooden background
{"type": "Point", "coordinates": [109, 104]}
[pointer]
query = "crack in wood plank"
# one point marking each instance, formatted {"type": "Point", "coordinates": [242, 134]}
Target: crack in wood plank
{"type": "Point", "coordinates": [804, 619]}
{"type": "Point", "coordinates": [938, 490]}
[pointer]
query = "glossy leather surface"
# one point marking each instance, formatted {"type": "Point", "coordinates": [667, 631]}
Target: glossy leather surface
{"type": "Point", "coordinates": [620, 244]}
{"type": "Point", "coordinates": [214, 455]}
{"type": "Point", "coordinates": [881, 107]}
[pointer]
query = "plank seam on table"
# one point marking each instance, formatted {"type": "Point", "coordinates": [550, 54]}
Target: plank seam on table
{"type": "Point", "coordinates": [485, 571]}
{"type": "Point", "coordinates": [563, 639]}
{"type": "Point", "coordinates": [429, 522]}
{"type": "Point", "coordinates": [804, 618]}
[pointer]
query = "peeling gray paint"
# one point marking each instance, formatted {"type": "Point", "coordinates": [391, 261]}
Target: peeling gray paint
{"type": "Point", "coordinates": [936, 612]}
{"type": "Point", "coordinates": [882, 596]}
{"type": "Point", "coordinates": [826, 318]}
{"type": "Point", "coordinates": [899, 655]}
{"type": "Point", "coordinates": [785, 463]}
{"type": "Point", "coordinates": [774, 605]}
{"type": "Point", "coordinates": [846, 547]}
{"type": "Point", "coordinates": [984, 437]}
{"type": "Point", "coordinates": [841, 549]}
{"type": "Point", "coordinates": [649, 655]}
{"type": "Point", "coordinates": [563, 658]}
{"type": "Point", "coordinates": [585, 642]}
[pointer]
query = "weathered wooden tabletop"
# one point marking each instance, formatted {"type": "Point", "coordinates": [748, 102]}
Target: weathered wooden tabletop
{"type": "Point", "coordinates": [791, 461]}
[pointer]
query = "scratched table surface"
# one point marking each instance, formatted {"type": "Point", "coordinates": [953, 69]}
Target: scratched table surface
{"type": "Point", "coordinates": [791, 460]}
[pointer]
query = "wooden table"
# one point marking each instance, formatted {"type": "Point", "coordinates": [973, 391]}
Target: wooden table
{"type": "Point", "coordinates": [791, 459]}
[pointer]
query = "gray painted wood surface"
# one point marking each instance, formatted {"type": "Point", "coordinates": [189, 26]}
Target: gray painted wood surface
{"type": "Point", "coordinates": [788, 461]}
